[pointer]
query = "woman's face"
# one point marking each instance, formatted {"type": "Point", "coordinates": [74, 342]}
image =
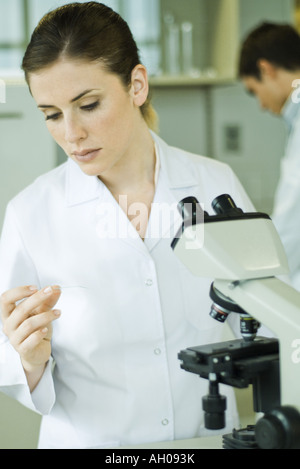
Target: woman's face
{"type": "Point", "coordinates": [89, 112]}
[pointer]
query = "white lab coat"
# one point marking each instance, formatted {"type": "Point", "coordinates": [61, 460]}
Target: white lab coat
{"type": "Point", "coordinates": [286, 213]}
{"type": "Point", "coordinates": [117, 379]}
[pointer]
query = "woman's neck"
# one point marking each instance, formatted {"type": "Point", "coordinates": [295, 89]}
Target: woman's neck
{"type": "Point", "coordinates": [135, 170]}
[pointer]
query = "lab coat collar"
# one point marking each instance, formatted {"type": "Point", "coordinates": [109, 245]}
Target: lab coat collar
{"type": "Point", "coordinates": [175, 181]}
{"type": "Point", "coordinates": [290, 112]}
{"type": "Point", "coordinates": [178, 172]}
{"type": "Point", "coordinates": [81, 188]}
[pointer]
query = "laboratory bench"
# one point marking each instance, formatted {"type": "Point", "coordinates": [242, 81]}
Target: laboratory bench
{"type": "Point", "coordinates": [213, 442]}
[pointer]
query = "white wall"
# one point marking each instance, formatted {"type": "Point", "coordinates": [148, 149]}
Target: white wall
{"type": "Point", "coordinates": [182, 117]}
{"type": "Point", "coordinates": [263, 140]}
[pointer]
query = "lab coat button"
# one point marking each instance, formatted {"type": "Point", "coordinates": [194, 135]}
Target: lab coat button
{"type": "Point", "coordinates": [165, 422]}
{"type": "Point", "coordinates": [157, 351]}
{"type": "Point", "coordinates": [149, 282]}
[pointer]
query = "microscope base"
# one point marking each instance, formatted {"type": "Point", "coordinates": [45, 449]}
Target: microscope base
{"type": "Point", "coordinates": [241, 439]}
{"type": "Point", "coordinates": [279, 429]}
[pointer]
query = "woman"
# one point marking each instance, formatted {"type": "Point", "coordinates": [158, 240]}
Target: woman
{"type": "Point", "coordinates": [99, 359]}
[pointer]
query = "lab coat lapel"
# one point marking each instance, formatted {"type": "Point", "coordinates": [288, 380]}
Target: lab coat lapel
{"type": "Point", "coordinates": [113, 223]}
{"type": "Point", "coordinates": [164, 217]}
{"type": "Point", "coordinates": [80, 188]}
{"type": "Point", "coordinates": [176, 181]}
{"type": "Point", "coordinates": [109, 219]}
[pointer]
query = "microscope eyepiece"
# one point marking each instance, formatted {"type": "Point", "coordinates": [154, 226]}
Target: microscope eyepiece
{"type": "Point", "coordinates": [224, 204]}
{"type": "Point", "coordinates": [190, 209]}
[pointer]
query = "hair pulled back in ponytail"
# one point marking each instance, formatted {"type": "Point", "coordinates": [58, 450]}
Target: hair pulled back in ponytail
{"type": "Point", "coordinates": [89, 32]}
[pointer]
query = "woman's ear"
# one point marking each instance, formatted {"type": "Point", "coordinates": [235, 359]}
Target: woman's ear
{"type": "Point", "coordinates": [139, 85]}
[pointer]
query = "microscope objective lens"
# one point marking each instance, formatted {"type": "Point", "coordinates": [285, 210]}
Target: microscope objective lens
{"type": "Point", "coordinates": [218, 313]}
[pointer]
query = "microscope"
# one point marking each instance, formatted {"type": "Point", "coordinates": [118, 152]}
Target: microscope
{"type": "Point", "coordinates": [243, 253]}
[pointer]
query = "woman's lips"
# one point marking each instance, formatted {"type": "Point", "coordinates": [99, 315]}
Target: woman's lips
{"type": "Point", "coordinates": [86, 155]}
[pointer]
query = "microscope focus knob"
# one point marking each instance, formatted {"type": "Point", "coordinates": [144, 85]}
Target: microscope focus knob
{"type": "Point", "coordinates": [269, 433]}
{"type": "Point", "coordinates": [214, 406]}
{"type": "Point", "coordinates": [279, 429]}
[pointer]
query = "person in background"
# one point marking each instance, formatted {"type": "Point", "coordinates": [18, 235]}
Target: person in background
{"type": "Point", "coordinates": [269, 67]}
{"type": "Point", "coordinates": [95, 306]}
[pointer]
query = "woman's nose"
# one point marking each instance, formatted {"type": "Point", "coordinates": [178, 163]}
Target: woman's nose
{"type": "Point", "coordinates": [74, 131]}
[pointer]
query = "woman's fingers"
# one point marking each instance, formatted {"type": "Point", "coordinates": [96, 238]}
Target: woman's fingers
{"type": "Point", "coordinates": [48, 298]}
{"type": "Point", "coordinates": [27, 316]}
{"type": "Point", "coordinates": [33, 324]}
{"type": "Point", "coordinates": [33, 303]}
{"type": "Point", "coordinates": [9, 299]}
{"type": "Point", "coordinates": [32, 342]}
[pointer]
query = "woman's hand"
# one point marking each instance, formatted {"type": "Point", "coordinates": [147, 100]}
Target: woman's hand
{"type": "Point", "coordinates": [28, 326]}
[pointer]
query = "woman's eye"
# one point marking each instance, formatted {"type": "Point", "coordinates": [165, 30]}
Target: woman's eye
{"type": "Point", "coordinates": [53, 117]}
{"type": "Point", "coordinates": [90, 107]}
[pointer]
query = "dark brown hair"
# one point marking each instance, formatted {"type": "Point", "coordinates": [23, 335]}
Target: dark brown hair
{"type": "Point", "coordinates": [277, 43]}
{"type": "Point", "coordinates": [88, 31]}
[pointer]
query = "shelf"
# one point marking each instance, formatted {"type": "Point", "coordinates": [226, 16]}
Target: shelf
{"type": "Point", "coordinates": [165, 81]}
{"type": "Point", "coordinates": [214, 48]}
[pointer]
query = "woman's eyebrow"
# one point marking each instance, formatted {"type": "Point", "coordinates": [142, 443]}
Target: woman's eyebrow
{"type": "Point", "coordinates": [49, 106]}
{"type": "Point", "coordinates": [81, 95]}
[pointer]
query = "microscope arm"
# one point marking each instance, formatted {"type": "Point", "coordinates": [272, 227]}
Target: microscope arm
{"type": "Point", "coordinates": [276, 305]}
